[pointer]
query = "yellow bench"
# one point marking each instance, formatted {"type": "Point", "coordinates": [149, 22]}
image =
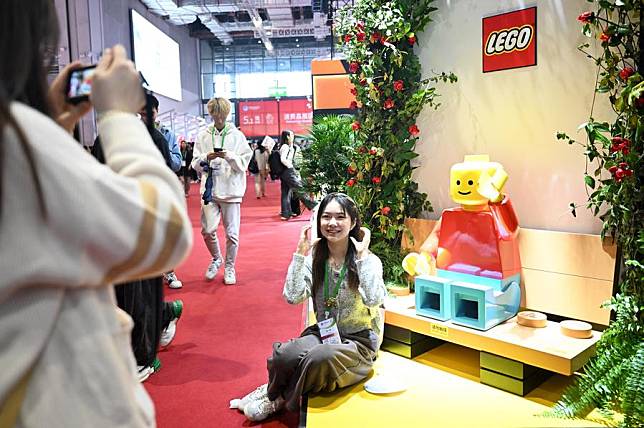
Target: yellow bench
{"type": "Point", "coordinates": [565, 275]}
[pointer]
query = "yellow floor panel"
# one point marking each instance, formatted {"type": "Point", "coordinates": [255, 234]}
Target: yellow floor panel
{"type": "Point", "coordinates": [443, 392]}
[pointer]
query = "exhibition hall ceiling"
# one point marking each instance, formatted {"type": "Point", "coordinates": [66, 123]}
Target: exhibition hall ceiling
{"type": "Point", "coordinates": [230, 22]}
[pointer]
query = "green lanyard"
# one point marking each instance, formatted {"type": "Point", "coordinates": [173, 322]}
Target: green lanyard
{"type": "Point", "coordinates": [331, 300]}
{"type": "Point", "coordinates": [224, 132]}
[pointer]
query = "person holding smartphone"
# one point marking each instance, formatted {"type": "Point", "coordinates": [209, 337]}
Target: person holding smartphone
{"type": "Point", "coordinates": [70, 228]}
{"type": "Point", "coordinates": [225, 152]}
{"type": "Point", "coordinates": [345, 281]}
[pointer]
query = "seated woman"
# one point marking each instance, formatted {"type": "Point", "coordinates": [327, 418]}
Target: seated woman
{"type": "Point", "coordinates": [345, 281]}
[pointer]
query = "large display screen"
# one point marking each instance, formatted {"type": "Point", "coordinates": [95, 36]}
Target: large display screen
{"type": "Point", "coordinates": [156, 55]}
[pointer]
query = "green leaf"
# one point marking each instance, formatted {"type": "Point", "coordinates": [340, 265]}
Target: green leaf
{"type": "Point", "coordinates": [590, 182]}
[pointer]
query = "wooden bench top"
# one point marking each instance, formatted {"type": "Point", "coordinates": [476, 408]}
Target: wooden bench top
{"type": "Point", "coordinates": [546, 347]}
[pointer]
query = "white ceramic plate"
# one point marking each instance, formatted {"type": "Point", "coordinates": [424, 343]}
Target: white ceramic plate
{"type": "Point", "coordinates": [383, 384]}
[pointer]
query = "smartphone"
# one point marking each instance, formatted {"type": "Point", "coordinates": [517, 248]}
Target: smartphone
{"type": "Point", "coordinates": [79, 84]}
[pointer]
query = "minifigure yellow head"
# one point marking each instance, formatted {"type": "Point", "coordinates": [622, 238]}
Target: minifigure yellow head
{"type": "Point", "coordinates": [469, 180]}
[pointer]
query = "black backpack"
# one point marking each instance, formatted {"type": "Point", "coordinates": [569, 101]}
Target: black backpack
{"type": "Point", "coordinates": [252, 165]}
{"type": "Point", "coordinates": [275, 164]}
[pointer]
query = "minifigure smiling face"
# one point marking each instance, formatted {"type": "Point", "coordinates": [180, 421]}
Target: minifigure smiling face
{"type": "Point", "coordinates": [464, 180]}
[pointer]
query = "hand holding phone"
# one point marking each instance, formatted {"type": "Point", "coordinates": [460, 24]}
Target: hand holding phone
{"type": "Point", "coordinates": [66, 114]}
{"type": "Point", "coordinates": [79, 84]}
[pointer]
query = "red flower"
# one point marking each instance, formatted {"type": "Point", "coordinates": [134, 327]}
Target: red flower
{"type": "Point", "coordinates": [351, 182]}
{"type": "Point", "coordinates": [374, 37]}
{"type": "Point", "coordinates": [353, 105]}
{"type": "Point", "coordinates": [399, 85]}
{"type": "Point", "coordinates": [351, 170]}
{"type": "Point", "coordinates": [604, 37]}
{"type": "Point", "coordinates": [383, 40]}
{"type": "Point", "coordinates": [347, 38]}
{"type": "Point", "coordinates": [389, 104]}
{"type": "Point", "coordinates": [612, 169]}
{"type": "Point", "coordinates": [375, 180]}
{"type": "Point", "coordinates": [413, 130]}
{"type": "Point", "coordinates": [373, 151]}
{"type": "Point", "coordinates": [586, 17]}
{"type": "Point", "coordinates": [354, 66]}
{"type": "Point", "coordinates": [360, 25]}
{"type": "Point", "coordinates": [362, 149]}
{"type": "Point", "coordinates": [639, 103]}
{"type": "Point", "coordinates": [623, 165]}
{"type": "Point", "coordinates": [356, 126]}
{"type": "Point", "coordinates": [385, 211]}
{"type": "Point", "coordinates": [619, 174]}
{"type": "Point", "coordinates": [628, 172]}
{"type": "Point", "coordinates": [626, 73]}
{"type": "Point", "coordinates": [412, 40]}
{"type": "Point", "coordinates": [354, 91]}
{"type": "Point", "coordinates": [361, 36]}
{"type": "Point", "coordinates": [363, 82]}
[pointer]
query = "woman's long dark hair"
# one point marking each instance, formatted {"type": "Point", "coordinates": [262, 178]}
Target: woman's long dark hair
{"type": "Point", "coordinates": [284, 136]}
{"type": "Point", "coordinates": [28, 36]}
{"type": "Point", "coordinates": [321, 250]}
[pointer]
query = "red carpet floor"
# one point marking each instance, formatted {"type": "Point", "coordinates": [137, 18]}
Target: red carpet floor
{"type": "Point", "coordinates": [226, 332]}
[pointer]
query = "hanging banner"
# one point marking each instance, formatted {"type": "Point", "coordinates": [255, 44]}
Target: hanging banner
{"type": "Point", "coordinates": [510, 40]}
{"type": "Point", "coordinates": [258, 118]}
{"type": "Point", "coordinates": [296, 115]}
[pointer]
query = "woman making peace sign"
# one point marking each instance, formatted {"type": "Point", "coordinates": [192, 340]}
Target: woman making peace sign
{"type": "Point", "coordinates": [345, 281]}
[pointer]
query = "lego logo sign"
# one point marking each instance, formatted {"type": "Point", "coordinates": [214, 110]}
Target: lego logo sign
{"type": "Point", "coordinates": [510, 40]}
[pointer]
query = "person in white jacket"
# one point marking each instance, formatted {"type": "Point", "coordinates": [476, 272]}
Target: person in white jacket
{"type": "Point", "coordinates": [69, 229]}
{"type": "Point", "coordinates": [224, 150]}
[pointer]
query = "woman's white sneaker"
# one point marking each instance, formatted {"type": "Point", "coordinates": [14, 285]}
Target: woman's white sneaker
{"type": "Point", "coordinates": [261, 409]}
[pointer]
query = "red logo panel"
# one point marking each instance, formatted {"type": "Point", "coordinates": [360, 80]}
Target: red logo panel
{"type": "Point", "coordinates": [510, 40]}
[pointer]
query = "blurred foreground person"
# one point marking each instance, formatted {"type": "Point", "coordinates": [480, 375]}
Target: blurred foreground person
{"type": "Point", "coordinates": [69, 228]}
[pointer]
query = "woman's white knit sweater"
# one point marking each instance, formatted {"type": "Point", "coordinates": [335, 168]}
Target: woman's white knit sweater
{"type": "Point", "coordinates": [60, 329]}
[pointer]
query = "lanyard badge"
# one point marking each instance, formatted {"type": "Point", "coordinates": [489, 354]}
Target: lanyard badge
{"type": "Point", "coordinates": [331, 296]}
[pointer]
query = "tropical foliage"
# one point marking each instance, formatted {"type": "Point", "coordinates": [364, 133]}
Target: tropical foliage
{"type": "Point", "coordinates": [378, 39]}
{"type": "Point", "coordinates": [614, 379]}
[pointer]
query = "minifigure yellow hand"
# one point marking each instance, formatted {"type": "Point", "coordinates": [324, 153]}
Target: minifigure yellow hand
{"type": "Point", "coordinates": [491, 186]}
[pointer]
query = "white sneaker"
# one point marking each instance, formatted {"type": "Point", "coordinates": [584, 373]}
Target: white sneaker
{"type": "Point", "coordinates": [229, 276]}
{"type": "Point", "coordinates": [144, 373]}
{"type": "Point", "coordinates": [213, 268]}
{"type": "Point", "coordinates": [261, 409]}
{"type": "Point", "coordinates": [168, 334]}
{"type": "Point", "coordinates": [171, 279]}
{"type": "Point", "coordinates": [258, 393]}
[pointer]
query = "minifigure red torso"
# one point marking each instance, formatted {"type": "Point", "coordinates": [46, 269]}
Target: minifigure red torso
{"type": "Point", "coordinates": [482, 243]}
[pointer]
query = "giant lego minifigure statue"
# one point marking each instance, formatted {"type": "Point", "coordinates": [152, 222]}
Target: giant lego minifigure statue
{"type": "Point", "coordinates": [476, 251]}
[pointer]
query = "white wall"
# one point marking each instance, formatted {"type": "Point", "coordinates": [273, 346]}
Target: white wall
{"type": "Point", "coordinates": [512, 115]}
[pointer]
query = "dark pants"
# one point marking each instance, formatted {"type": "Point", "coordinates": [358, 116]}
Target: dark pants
{"type": "Point", "coordinates": [143, 301]}
{"type": "Point", "coordinates": [292, 184]}
{"type": "Point", "coordinates": [305, 365]}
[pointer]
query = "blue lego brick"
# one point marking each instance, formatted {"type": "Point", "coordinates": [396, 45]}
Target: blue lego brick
{"type": "Point", "coordinates": [482, 307]}
{"type": "Point", "coordinates": [433, 297]}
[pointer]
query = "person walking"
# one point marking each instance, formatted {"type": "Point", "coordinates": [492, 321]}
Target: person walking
{"type": "Point", "coordinates": [261, 158]}
{"type": "Point", "coordinates": [222, 150]}
{"type": "Point", "coordinates": [290, 181]}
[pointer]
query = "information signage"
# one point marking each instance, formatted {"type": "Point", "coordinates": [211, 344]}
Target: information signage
{"type": "Point", "coordinates": [258, 118]}
{"type": "Point", "coordinates": [296, 115]}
